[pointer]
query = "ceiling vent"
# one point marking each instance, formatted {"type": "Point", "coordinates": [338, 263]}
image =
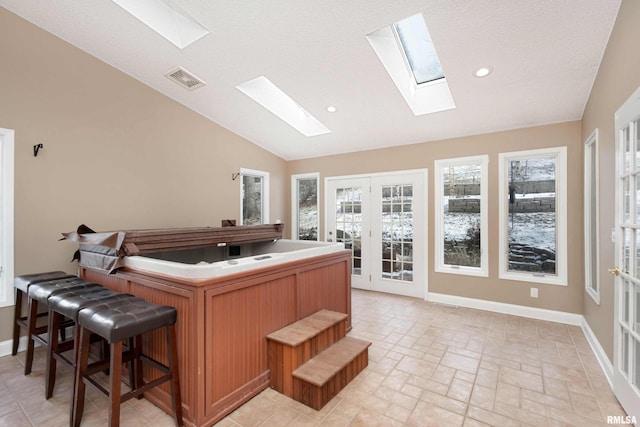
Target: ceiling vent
{"type": "Point", "coordinates": [185, 79]}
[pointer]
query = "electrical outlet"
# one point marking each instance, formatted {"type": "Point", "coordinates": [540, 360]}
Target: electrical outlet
{"type": "Point", "coordinates": [534, 292]}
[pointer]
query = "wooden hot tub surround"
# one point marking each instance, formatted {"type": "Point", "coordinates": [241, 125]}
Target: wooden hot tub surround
{"type": "Point", "coordinates": [223, 323]}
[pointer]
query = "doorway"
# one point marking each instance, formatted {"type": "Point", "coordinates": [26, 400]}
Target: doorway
{"type": "Point", "coordinates": [382, 219]}
{"type": "Point", "coordinates": [626, 354]}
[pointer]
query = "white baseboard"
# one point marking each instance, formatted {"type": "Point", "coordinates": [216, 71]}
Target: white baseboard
{"type": "Point", "coordinates": [598, 351]}
{"type": "Point", "coordinates": [500, 307]}
{"type": "Point", "coordinates": [5, 346]}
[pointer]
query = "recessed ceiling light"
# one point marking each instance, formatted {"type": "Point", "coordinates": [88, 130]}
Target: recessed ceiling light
{"type": "Point", "coordinates": [265, 93]}
{"type": "Point", "coordinates": [483, 71]}
{"type": "Point", "coordinates": [331, 109]}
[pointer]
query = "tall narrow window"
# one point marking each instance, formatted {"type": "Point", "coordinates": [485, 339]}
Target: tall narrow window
{"type": "Point", "coordinates": [461, 215]}
{"type": "Point", "coordinates": [591, 216]}
{"type": "Point", "coordinates": [254, 200]}
{"type": "Point", "coordinates": [304, 202]}
{"type": "Point", "coordinates": [533, 219]}
{"type": "Point", "coordinates": [6, 216]}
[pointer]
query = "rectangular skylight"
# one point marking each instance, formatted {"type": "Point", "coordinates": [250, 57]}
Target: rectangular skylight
{"type": "Point", "coordinates": [167, 19]}
{"type": "Point", "coordinates": [414, 67]}
{"type": "Point", "coordinates": [265, 93]}
{"type": "Point", "coordinates": [418, 48]}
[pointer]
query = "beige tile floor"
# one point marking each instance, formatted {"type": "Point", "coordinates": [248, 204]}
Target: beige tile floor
{"type": "Point", "coordinates": [429, 365]}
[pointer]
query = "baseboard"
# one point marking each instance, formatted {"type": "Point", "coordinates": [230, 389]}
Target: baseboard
{"type": "Point", "coordinates": [598, 351]}
{"type": "Point", "coordinates": [5, 346]}
{"type": "Point", "coordinates": [515, 310]}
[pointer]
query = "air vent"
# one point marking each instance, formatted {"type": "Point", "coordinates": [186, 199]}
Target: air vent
{"type": "Point", "coordinates": [185, 79]}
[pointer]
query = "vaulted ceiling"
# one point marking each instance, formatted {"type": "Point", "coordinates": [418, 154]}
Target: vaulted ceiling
{"type": "Point", "coordinates": [545, 55]}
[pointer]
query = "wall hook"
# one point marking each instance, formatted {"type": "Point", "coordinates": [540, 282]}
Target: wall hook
{"type": "Point", "coordinates": [37, 148]}
{"type": "Point", "coordinates": [235, 175]}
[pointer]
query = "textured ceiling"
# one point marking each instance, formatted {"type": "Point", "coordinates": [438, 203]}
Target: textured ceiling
{"type": "Point", "coordinates": [545, 55]}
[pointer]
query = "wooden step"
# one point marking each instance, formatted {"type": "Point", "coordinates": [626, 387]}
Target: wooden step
{"type": "Point", "coordinates": [297, 343]}
{"type": "Point", "coordinates": [307, 328]}
{"type": "Point", "coordinates": [316, 382]}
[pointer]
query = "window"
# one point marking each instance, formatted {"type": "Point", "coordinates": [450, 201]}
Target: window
{"type": "Point", "coordinates": [406, 51]}
{"type": "Point", "coordinates": [254, 197]}
{"type": "Point", "coordinates": [461, 215]}
{"type": "Point", "coordinates": [591, 216]}
{"type": "Point", "coordinates": [418, 49]}
{"type": "Point", "coordinates": [6, 217]}
{"type": "Point", "coordinates": [304, 202]}
{"type": "Point", "coordinates": [533, 219]}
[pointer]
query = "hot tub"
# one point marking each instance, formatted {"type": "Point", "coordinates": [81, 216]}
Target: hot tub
{"type": "Point", "coordinates": [216, 261]}
{"type": "Point", "coordinates": [231, 287]}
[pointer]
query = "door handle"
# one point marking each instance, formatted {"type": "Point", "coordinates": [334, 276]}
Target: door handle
{"type": "Point", "coordinates": [615, 271]}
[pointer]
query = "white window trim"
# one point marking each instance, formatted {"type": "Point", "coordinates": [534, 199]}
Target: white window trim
{"type": "Point", "coordinates": [294, 201]}
{"type": "Point", "coordinates": [588, 238]}
{"type": "Point", "coordinates": [560, 278]}
{"type": "Point", "coordinates": [265, 193]}
{"type": "Point", "coordinates": [441, 267]}
{"type": "Point", "coordinates": [7, 147]}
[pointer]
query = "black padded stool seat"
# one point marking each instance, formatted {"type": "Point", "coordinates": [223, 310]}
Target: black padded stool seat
{"type": "Point", "coordinates": [40, 292]}
{"type": "Point", "coordinates": [22, 283]}
{"type": "Point", "coordinates": [116, 321]}
{"type": "Point", "coordinates": [67, 303]}
{"type": "Point", "coordinates": [121, 319]}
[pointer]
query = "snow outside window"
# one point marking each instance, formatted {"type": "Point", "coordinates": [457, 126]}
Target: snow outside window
{"type": "Point", "coordinates": [304, 206]}
{"type": "Point", "coordinates": [461, 215]}
{"type": "Point", "coordinates": [591, 216]}
{"type": "Point", "coordinates": [254, 197]}
{"type": "Point", "coordinates": [533, 219]}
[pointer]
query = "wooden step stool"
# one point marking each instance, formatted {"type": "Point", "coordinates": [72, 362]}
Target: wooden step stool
{"type": "Point", "coordinates": [316, 348]}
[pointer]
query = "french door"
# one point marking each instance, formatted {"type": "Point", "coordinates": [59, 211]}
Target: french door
{"type": "Point", "coordinates": [382, 219]}
{"type": "Point", "coordinates": [626, 375]}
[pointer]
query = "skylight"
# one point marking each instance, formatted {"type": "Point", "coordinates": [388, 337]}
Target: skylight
{"type": "Point", "coordinates": [167, 19]}
{"type": "Point", "coordinates": [407, 53]}
{"type": "Point", "coordinates": [265, 93]}
{"type": "Point", "coordinates": [418, 49]}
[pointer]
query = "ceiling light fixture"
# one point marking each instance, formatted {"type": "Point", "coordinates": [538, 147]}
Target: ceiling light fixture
{"type": "Point", "coordinates": [331, 109]}
{"type": "Point", "coordinates": [483, 71]}
{"type": "Point", "coordinates": [167, 19]}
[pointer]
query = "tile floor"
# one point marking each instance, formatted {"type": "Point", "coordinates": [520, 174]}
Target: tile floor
{"type": "Point", "coordinates": [429, 365]}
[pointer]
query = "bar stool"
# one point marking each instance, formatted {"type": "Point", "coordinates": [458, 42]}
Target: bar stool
{"type": "Point", "coordinates": [22, 283]}
{"type": "Point", "coordinates": [117, 321]}
{"type": "Point", "coordinates": [39, 293]}
{"type": "Point", "coordinates": [66, 304]}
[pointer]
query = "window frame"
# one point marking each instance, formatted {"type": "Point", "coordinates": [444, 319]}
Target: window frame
{"type": "Point", "coordinates": [264, 196]}
{"type": "Point", "coordinates": [295, 232]}
{"type": "Point", "coordinates": [560, 278]}
{"type": "Point", "coordinates": [439, 167]}
{"type": "Point", "coordinates": [589, 239]}
{"type": "Point", "coordinates": [7, 150]}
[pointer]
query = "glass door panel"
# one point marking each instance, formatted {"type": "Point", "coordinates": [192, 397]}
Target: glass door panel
{"type": "Point", "coordinates": [626, 376]}
{"type": "Point", "coordinates": [347, 222]}
{"type": "Point", "coordinates": [399, 224]}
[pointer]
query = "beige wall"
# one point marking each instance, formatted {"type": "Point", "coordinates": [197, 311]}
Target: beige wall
{"type": "Point", "coordinates": [617, 79]}
{"type": "Point", "coordinates": [419, 156]}
{"type": "Point", "coordinates": [117, 154]}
